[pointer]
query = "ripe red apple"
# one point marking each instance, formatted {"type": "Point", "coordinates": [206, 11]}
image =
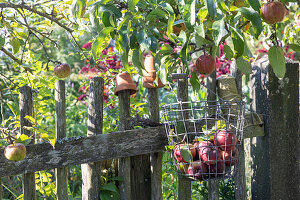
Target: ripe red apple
{"type": "Point", "coordinates": [211, 156]}
{"type": "Point", "coordinates": [62, 70]}
{"type": "Point", "coordinates": [15, 152]}
{"type": "Point", "coordinates": [197, 170]}
{"type": "Point", "coordinates": [202, 147]}
{"type": "Point", "coordinates": [205, 64]}
{"type": "Point", "coordinates": [230, 157]}
{"type": "Point", "coordinates": [225, 139]}
{"type": "Point", "coordinates": [177, 151]}
{"type": "Point", "coordinates": [273, 12]}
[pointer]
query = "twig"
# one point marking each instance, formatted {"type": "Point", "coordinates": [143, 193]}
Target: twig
{"type": "Point", "coordinates": [11, 56]}
{"type": "Point", "coordinates": [23, 6]}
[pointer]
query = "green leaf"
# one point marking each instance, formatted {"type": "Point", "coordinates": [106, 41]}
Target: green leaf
{"type": "Point", "coordinates": [110, 187]}
{"type": "Point", "coordinates": [222, 6]}
{"type": "Point", "coordinates": [186, 154]}
{"type": "Point", "coordinates": [194, 80]}
{"type": "Point", "coordinates": [219, 30]}
{"type": "Point", "coordinates": [136, 61]}
{"type": "Point", "coordinates": [132, 4]}
{"type": "Point", "coordinates": [277, 61]}
{"type": "Point", "coordinates": [228, 52]}
{"type": "Point", "coordinates": [244, 64]}
{"type": "Point", "coordinates": [255, 19]}
{"type": "Point", "coordinates": [238, 43]}
{"type": "Point", "coordinates": [15, 43]}
{"type": "Point", "coordinates": [295, 47]}
{"type": "Point", "coordinates": [97, 44]}
{"type": "Point", "coordinates": [254, 4]}
{"type": "Point", "coordinates": [200, 30]}
{"type": "Point", "coordinates": [166, 49]}
{"type": "Point", "coordinates": [170, 27]}
{"type": "Point", "coordinates": [111, 8]}
{"type": "Point", "coordinates": [202, 14]}
{"type": "Point", "coordinates": [211, 8]}
{"type": "Point", "coordinates": [30, 119]}
{"type": "Point", "coordinates": [2, 41]}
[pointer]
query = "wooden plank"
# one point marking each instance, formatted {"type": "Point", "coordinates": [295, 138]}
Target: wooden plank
{"type": "Point", "coordinates": [155, 158]}
{"type": "Point", "coordinates": [213, 185]}
{"type": "Point", "coordinates": [102, 147]}
{"type": "Point", "coordinates": [26, 108]}
{"type": "Point", "coordinates": [124, 163]}
{"type": "Point", "coordinates": [275, 157]}
{"type": "Point", "coordinates": [91, 172]}
{"type": "Point", "coordinates": [61, 174]}
{"type": "Point", "coordinates": [184, 184]}
{"type": "Point", "coordinates": [284, 140]}
{"type": "Point", "coordinates": [239, 177]}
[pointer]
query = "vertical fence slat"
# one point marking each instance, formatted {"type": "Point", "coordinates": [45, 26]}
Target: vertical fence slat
{"type": "Point", "coordinates": [213, 185]}
{"type": "Point", "coordinates": [184, 184]}
{"type": "Point", "coordinates": [239, 179]}
{"type": "Point", "coordinates": [26, 108]}
{"type": "Point", "coordinates": [155, 158]}
{"type": "Point", "coordinates": [91, 172]}
{"type": "Point", "coordinates": [276, 155]}
{"type": "Point", "coordinates": [0, 189]}
{"type": "Point", "coordinates": [124, 163]}
{"type": "Point", "coordinates": [61, 174]}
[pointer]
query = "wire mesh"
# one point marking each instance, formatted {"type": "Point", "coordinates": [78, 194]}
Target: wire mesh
{"type": "Point", "coordinates": [205, 137]}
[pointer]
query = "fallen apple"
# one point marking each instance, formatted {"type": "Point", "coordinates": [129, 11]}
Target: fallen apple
{"type": "Point", "coordinates": [211, 156]}
{"type": "Point", "coordinates": [62, 70]}
{"type": "Point", "coordinates": [15, 152]}
{"type": "Point", "coordinates": [225, 139]}
{"type": "Point", "coordinates": [202, 147]}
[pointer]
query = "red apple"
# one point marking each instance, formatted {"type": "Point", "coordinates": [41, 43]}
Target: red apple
{"type": "Point", "coordinates": [15, 152]}
{"type": "Point", "coordinates": [177, 151]}
{"type": "Point", "coordinates": [225, 139]}
{"type": "Point", "coordinates": [197, 170]}
{"type": "Point", "coordinates": [210, 157]}
{"type": "Point", "coordinates": [205, 64]}
{"type": "Point", "coordinates": [62, 70]}
{"type": "Point", "coordinates": [230, 157]}
{"type": "Point", "coordinates": [202, 147]}
{"type": "Point", "coordinates": [273, 12]}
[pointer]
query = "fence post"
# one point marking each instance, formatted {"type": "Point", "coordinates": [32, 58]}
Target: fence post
{"type": "Point", "coordinates": [239, 178]}
{"type": "Point", "coordinates": [26, 108]}
{"type": "Point", "coordinates": [124, 163]}
{"type": "Point", "coordinates": [91, 172]}
{"type": "Point", "coordinates": [213, 185]}
{"type": "Point", "coordinates": [155, 158]}
{"type": "Point", "coordinates": [184, 184]}
{"type": "Point", "coordinates": [276, 155]}
{"type": "Point", "coordinates": [61, 174]}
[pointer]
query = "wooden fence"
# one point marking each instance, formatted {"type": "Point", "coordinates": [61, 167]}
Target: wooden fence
{"type": "Point", "coordinates": [271, 151]}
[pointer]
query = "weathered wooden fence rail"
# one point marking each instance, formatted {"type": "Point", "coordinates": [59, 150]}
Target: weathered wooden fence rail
{"type": "Point", "coordinates": [271, 162]}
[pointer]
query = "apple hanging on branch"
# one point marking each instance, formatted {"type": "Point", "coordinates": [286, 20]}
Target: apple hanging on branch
{"type": "Point", "coordinates": [62, 70]}
{"type": "Point", "coordinates": [273, 12]}
{"type": "Point", "coordinates": [205, 64]}
{"type": "Point", "coordinates": [15, 152]}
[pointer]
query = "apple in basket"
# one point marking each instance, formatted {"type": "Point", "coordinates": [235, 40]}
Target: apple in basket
{"type": "Point", "coordinates": [225, 139]}
{"type": "Point", "coordinates": [230, 157]}
{"type": "Point", "coordinates": [184, 153]}
{"type": "Point", "coordinates": [208, 154]}
{"type": "Point", "coordinates": [197, 170]}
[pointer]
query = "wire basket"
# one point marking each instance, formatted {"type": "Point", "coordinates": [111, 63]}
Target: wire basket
{"type": "Point", "coordinates": [205, 137]}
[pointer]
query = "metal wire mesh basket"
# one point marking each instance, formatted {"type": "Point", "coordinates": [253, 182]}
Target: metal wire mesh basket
{"type": "Point", "coordinates": [205, 137]}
